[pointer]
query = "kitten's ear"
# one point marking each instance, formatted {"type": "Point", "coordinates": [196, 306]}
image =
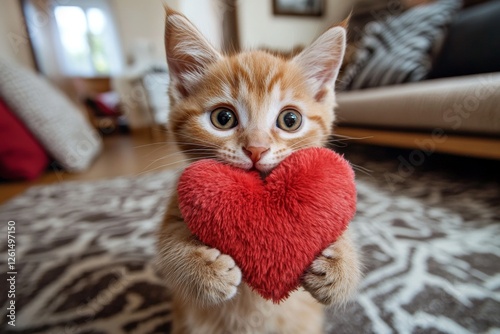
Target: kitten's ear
{"type": "Point", "coordinates": [321, 61]}
{"type": "Point", "coordinates": [188, 52]}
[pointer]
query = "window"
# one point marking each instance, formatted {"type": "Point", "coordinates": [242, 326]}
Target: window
{"type": "Point", "coordinates": [87, 38]}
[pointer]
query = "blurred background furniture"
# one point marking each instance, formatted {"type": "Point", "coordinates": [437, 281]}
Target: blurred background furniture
{"type": "Point", "coordinates": [52, 118]}
{"type": "Point", "coordinates": [142, 89]}
{"type": "Point", "coordinates": [455, 109]}
{"type": "Point", "coordinates": [101, 103]}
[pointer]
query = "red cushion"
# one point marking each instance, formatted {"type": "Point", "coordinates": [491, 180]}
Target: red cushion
{"type": "Point", "coordinates": [21, 156]}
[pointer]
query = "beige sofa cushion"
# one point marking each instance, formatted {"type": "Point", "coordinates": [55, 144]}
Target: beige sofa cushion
{"type": "Point", "coordinates": [469, 104]}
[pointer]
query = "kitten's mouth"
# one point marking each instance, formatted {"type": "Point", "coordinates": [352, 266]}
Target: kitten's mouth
{"type": "Point", "coordinates": [263, 171]}
{"type": "Point", "coordinates": [262, 174]}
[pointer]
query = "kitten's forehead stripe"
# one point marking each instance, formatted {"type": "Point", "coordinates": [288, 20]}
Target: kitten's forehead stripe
{"type": "Point", "coordinates": [275, 78]}
{"type": "Point", "coordinates": [245, 75]}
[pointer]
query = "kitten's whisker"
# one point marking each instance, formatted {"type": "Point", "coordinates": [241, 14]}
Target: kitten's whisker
{"type": "Point", "coordinates": [156, 150]}
{"type": "Point", "coordinates": [197, 141]}
{"type": "Point", "coordinates": [195, 144]}
{"type": "Point", "coordinates": [172, 163]}
{"type": "Point", "coordinates": [329, 141]}
{"type": "Point", "coordinates": [300, 147]}
{"type": "Point", "coordinates": [295, 145]}
{"type": "Point", "coordinates": [195, 158]}
{"type": "Point", "coordinates": [201, 150]}
{"type": "Point", "coordinates": [200, 140]}
{"type": "Point", "coordinates": [351, 138]}
{"type": "Point", "coordinates": [308, 138]}
{"type": "Point", "coordinates": [169, 147]}
{"type": "Point", "coordinates": [158, 143]}
{"type": "Point", "coordinates": [168, 142]}
{"type": "Point", "coordinates": [339, 144]}
{"type": "Point", "coordinates": [147, 145]}
{"type": "Point", "coordinates": [304, 139]}
{"type": "Point", "coordinates": [361, 169]}
{"type": "Point", "coordinates": [197, 150]}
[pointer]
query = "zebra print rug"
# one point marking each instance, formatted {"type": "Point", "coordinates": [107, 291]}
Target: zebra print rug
{"type": "Point", "coordinates": [430, 238]}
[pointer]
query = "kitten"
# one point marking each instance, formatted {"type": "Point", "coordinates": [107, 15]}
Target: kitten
{"type": "Point", "coordinates": [250, 110]}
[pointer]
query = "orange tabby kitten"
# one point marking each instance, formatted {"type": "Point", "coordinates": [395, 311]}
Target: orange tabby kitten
{"type": "Point", "coordinates": [250, 110]}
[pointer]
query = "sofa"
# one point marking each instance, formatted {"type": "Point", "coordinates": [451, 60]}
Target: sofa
{"type": "Point", "coordinates": [455, 109]}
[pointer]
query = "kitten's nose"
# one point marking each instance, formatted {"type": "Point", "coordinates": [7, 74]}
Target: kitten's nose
{"type": "Point", "coordinates": [255, 153]}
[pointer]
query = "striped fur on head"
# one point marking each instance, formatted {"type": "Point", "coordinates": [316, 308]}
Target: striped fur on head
{"type": "Point", "coordinates": [257, 87]}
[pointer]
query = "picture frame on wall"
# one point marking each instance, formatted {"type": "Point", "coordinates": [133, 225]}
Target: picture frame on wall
{"type": "Point", "coordinates": [299, 7]}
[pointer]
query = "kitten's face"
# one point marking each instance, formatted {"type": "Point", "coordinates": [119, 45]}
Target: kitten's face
{"type": "Point", "coordinates": [253, 109]}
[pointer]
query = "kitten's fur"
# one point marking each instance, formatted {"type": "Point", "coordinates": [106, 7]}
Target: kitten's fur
{"type": "Point", "coordinates": [208, 293]}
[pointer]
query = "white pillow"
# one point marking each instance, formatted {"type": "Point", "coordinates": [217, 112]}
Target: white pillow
{"type": "Point", "coordinates": [51, 117]}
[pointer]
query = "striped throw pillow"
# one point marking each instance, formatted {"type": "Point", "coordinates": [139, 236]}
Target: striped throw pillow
{"type": "Point", "coordinates": [398, 48]}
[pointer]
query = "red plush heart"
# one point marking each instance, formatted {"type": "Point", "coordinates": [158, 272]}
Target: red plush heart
{"type": "Point", "coordinates": [273, 228]}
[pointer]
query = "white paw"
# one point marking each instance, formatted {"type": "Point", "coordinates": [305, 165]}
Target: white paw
{"type": "Point", "coordinates": [334, 276]}
{"type": "Point", "coordinates": [219, 277]}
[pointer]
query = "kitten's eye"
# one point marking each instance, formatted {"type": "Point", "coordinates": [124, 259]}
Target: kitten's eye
{"type": "Point", "coordinates": [223, 118]}
{"type": "Point", "coordinates": [289, 120]}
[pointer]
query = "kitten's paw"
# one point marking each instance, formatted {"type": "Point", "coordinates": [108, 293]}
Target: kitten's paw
{"type": "Point", "coordinates": [334, 276]}
{"type": "Point", "coordinates": [218, 278]}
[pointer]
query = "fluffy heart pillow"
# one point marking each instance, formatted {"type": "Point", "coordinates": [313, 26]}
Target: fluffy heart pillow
{"type": "Point", "coordinates": [273, 228]}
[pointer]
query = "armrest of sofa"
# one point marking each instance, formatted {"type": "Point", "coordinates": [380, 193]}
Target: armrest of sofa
{"type": "Point", "coordinates": [469, 104]}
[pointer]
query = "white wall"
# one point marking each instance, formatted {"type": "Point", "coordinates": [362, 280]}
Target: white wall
{"type": "Point", "coordinates": [260, 28]}
{"type": "Point", "coordinates": [14, 42]}
{"type": "Point", "coordinates": [206, 15]}
{"type": "Point", "coordinates": [142, 21]}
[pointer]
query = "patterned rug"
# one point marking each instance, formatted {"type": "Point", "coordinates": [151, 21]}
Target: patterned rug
{"type": "Point", "coordinates": [429, 232]}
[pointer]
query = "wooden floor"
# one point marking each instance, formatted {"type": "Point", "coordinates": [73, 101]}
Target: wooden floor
{"type": "Point", "coordinates": [123, 155]}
